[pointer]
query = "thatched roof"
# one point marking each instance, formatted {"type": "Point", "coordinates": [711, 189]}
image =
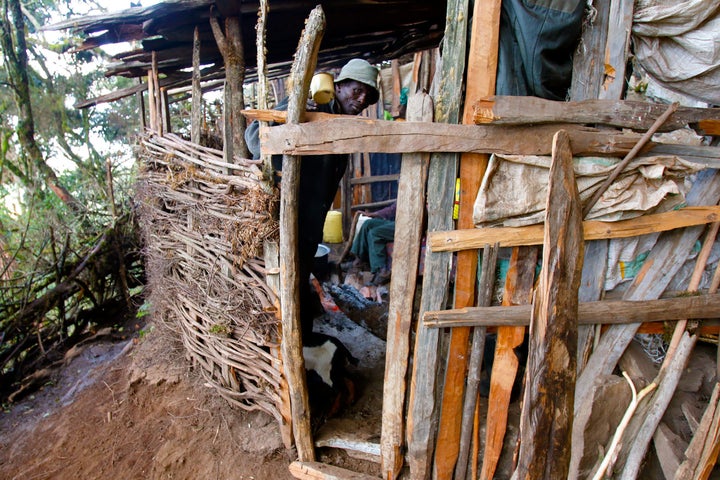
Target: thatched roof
{"type": "Point", "coordinates": [376, 30]}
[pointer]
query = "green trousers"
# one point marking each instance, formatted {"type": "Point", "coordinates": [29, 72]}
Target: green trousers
{"type": "Point", "coordinates": [370, 241]}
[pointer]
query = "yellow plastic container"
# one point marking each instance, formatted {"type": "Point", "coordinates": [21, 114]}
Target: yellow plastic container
{"type": "Point", "coordinates": [332, 230]}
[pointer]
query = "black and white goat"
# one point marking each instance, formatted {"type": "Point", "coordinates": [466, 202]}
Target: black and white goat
{"type": "Point", "coordinates": [331, 386]}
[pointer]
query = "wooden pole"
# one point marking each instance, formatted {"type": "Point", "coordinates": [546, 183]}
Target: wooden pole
{"type": "Point", "coordinates": [422, 410]}
{"type": "Point", "coordinates": [485, 291]}
{"type": "Point", "coordinates": [547, 412]}
{"type": "Point", "coordinates": [230, 45]}
{"type": "Point", "coordinates": [518, 291]}
{"type": "Point", "coordinates": [408, 220]}
{"type": "Point", "coordinates": [609, 312]}
{"type": "Point", "coordinates": [156, 95]}
{"type": "Point", "coordinates": [196, 113]}
{"type": "Point", "coordinates": [294, 363]}
{"type": "Point", "coordinates": [482, 67]}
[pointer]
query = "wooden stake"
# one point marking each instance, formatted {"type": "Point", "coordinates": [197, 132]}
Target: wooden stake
{"type": "Point", "coordinates": [422, 412]}
{"type": "Point", "coordinates": [411, 208]}
{"type": "Point", "coordinates": [196, 114]}
{"type": "Point", "coordinates": [482, 67]}
{"type": "Point", "coordinates": [294, 363]}
{"type": "Point", "coordinates": [547, 413]}
{"type": "Point", "coordinates": [519, 284]}
{"type": "Point", "coordinates": [485, 291]}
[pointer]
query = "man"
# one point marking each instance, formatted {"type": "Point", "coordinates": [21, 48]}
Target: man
{"type": "Point", "coordinates": [355, 90]}
{"type": "Point", "coordinates": [370, 241]}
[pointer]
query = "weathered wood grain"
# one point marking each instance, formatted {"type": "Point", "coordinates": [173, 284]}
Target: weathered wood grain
{"type": "Point", "coordinates": [457, 240]}
{"type": "Point", "coordinates": [410, 211]}
{"type": "Point", "coordinates": [609, 312]}
{"type": "Point", "coordinates": [482, 65]}
{"type": "Point", "coordinates": [422, 411]}
{"type": "Point", "coordinates": [294, 363]}
{"type": "Point", "coordinates": [547, 412]}
{"type": "Point", "coordinates": [323, 471]}
{"type": "Point", "coordinates": [507, 110]}
{"type": "Point", "coordinates": [519, 284]}
{"type": "Point", "coordinates": [617, 49]}
{"type": "Point", "coordinates": [348, 135]}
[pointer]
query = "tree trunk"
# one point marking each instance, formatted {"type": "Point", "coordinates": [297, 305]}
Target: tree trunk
{"type": "Point", "coordinates": [12, 39]}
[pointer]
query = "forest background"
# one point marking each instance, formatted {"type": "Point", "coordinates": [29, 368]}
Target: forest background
{"type": "Point", "coordinates": [70, 259]}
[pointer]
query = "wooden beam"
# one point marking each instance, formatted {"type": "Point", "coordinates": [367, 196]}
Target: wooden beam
{"type": "Point", "coordinates": [507, 110]}
{"type": "Point", "coordinates": [547, 411]}
{"type": "Point", "coordinates": [294, 363]}
{"type": "Point", "coordinates": [482, 67]}
{"type": "Point", "coordinates": [374, 179]}
{"type": "Point", "coordinates": [422, 410]}
{"type": "Point", "coordinates": [280, 116]}
{"type": "Point", "coordinates": [608, 312]}
{"type": "Point", "coordinates": [323, 471]}
{"type": "Point", "coordinates": [475, 238]}
{"type": "Point", "coordinates": [408, 220]}
{"type": "Point", "coordinates": [348, 135]}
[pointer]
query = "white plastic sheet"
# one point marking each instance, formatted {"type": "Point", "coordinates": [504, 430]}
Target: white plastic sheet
{"type": "Point", "coordinates": [514, 189]}
{"type": "Point", "coordinates": [678, 45]}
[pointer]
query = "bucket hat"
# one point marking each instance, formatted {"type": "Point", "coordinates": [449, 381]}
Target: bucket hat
{"type": "Point", "coordinates": [360, 70]}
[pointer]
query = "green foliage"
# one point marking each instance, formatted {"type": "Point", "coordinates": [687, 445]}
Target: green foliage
{"type": "Point", "coordinates": [65, 254]}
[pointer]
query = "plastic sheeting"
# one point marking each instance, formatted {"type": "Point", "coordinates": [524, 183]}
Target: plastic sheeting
{"type": "Point", "coordinates": [678, 45]}
{"type": "Point", "coordinates": [514, 189]}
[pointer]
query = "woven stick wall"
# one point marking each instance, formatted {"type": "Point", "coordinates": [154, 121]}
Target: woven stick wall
{"type": "Point", "coordinates": [204, 223]}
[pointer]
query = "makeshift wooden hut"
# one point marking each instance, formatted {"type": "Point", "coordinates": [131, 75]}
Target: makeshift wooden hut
{"type": "Point", "coordinates": [221, 256]}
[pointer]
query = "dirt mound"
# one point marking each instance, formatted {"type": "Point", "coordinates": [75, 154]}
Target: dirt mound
{"type": "Point", "coordinates": [136, 410]}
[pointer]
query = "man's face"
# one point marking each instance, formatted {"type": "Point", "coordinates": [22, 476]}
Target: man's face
{"type": "Point", "coordinates": [353, 96]}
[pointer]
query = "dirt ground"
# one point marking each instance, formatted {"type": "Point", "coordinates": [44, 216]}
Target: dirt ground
{"type": "Point", "coordinates": [136, 410]}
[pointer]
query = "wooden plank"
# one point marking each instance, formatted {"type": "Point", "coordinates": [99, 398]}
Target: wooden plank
{"type": "Point", "coordinates": [482, 66]}
{"type": "Point", "coordinates": [280, 116]}
{"type": "Point", "coordinates": [294, 364]}
{"type": "Point", "coordinates": [323, 471]}
{"type": "Point", "coordinates": [617, 48]}
{"type": "Point", "coordinates": [588, 65]}
{"type": "Point", "coordinates": [507, 110]}
{"type": "Point", "coordinates": [518, 291]}
{"type": "Point", "coordinates": [547, 412]}
{"type": "Point", "coordinates": [709, 126]}
{"type": "Point", "coordinates": [609, 312]}
{"type": "Point", "coordinates": [422, 411]}
{"type": "Point", "coordinates": [271, 255]}
{"type": "Point", "coordinates": [457, 240]}
{"type": "Point", "coordinates": [374, 179]}
{"type": "Point", "coordinates": [411, 208]}
{"type": "Point", "coordinates": [348, 135]}
{"type": "Point", "coordinates": [592, 288]}
{"type": "Point", "coordinates": [705, 155]}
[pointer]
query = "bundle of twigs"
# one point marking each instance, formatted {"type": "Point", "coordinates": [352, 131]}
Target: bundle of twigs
{"type": "Point", "coordinates": [204, 223]}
